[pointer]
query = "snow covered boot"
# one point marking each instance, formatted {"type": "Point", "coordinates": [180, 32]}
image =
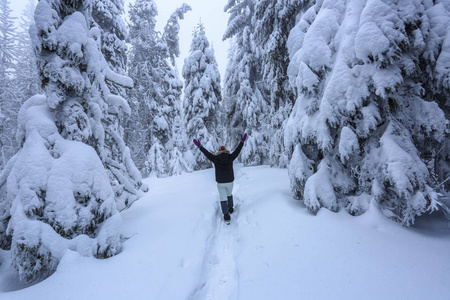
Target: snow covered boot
{"type": "Point", "coordinates": [227, 217]}
{"type": "Point", "coordinates": [230, 204]}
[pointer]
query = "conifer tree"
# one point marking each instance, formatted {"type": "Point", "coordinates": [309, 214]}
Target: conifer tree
{"type": "Point", "coordinates": [124, 176]}
{"type": "Point", "coordinates": [157, 93]}
{"type": "Point", "coordinates": [58, 194]}
{"type": "Point", "coordinates": [172, 29]}
{"type": "Point", "coordinates": [107, 16]}
{"type": "Point", "coordinates": [8, 99]}
{"type": "Point", "coordinates": [142, 39]}
{"type": "Point", "coordinates": [356, 129]}
{"type": "Point", "coordinates": [272, 22]}
{"type": "Point", "coordinates": [202, 96]}
{"type": "Point", "coordinates": [434, 80]}
{"type": "Point", "coordinates": [244, 104]}
{"type": "Point", "coordinates": [26, 79]}
{"type": "Point", "coordinates": [177, 162]}
{"type": "Point", "coordinates": [8, 112]}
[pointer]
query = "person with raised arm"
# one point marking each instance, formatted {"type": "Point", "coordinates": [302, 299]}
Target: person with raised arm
{"type": "Point", "coordinates": [223, 164]}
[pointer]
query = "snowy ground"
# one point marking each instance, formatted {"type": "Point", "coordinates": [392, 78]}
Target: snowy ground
{"type": "Point", "coordinates": [178, 247]}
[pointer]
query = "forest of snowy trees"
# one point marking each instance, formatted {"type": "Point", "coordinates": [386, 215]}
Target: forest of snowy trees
{"type": "Point", "coordinates": [351, 96]}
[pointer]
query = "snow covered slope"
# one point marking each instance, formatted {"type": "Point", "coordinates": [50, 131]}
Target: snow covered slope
{"type": "Point", "coordinates": [178, 247]}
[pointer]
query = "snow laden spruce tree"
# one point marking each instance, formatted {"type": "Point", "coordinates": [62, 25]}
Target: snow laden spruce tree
{"type": "Point", "coordinates": [257, 94]}
{"type": "Point", "coordinates": [107, 17]}
{"type": "Point", "coordinates": [123, 174]}
{"type": "Point", "coordinates": [202, 97]}
{"type": "Point", "coordinates": [8, 100]}
{"type": "Point", "coordinates": [26, 79]}
{"type": "Point", "coordinates": [59, 196]}
{"type": "Point", "coordinates": [436, 84]}
{"type": "Point", "coordinates": [178, 160]}
{"type": "Point", "coordinates": [142, 39]}
{"type": "Point", "coordinates": [244, 104]}
{"type": "Point", "coordinates": [157, 94]}
{"type": "Point", "coordinates": [272, 22]}
{"type": "Point", "coordinates": [172, 30]}
{"type": "Point", "coordinates": [363, 112]}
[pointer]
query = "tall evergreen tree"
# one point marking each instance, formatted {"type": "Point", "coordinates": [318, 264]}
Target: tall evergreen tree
{"type": "Point", "coordinates": [172, 29]}
{"type": "Point", "coordinates": [8, 111]}
{"type": "Point", "coordinates": [434, 79]}
{"type": "Point", "coordinates": [156, 97]}
{"type": "Point", "coordinates": [124, 176]}
{"type": "Point", "coordinates": [272, 22]}
{"type": "Point", "coordinates": [26, 79]}
{"type": "Point", "coordinates": [8, 99]}
{"type": "Point", "coordinates": [178, 162]}
{"type": "Point", "coordinates": [244, 104]}
{"type": "Point", "coordinates": [356, 128]}
{"type": "Point", "coordinates": [202, 96]}
{"type": "Point", "coordinates": [107, 15]}
{"type": "Point", "coordinates": [142, 38]}
{"type": "Point", "coordinates": [7, 37]}
{"type": "Point", "coordinates": [58, 193]}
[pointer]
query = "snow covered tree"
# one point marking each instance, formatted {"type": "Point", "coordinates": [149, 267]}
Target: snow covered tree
{"type": "Point", "coordinates": [7, 37]}
{"type": "Point", "coordinates": [142, 36]}
{"type": "Point", "coordinates": [177, 159]}
{"type": "Point", "coordinates": [124, 176]}
{"type": "Point", "coordinates": [362, 112]}
{"type": "Point", "coordinates": [202, 97]}
{"type": "Point", "coordinates": [257, 95]}
{"type": "Point", "coordinates": [8, 110]}
{"type": "Point", "coordinates": [107, 15]}
{"type": "Point", "coordinates": [244, 104]}
{"type": "Point", "coordinates": [437, 88]}
{"type": "Point", "coordinates": [142, 39]}
{"type": "Point", "coordinates": [272, 22]}
{"type": "Point", "coordinates": [172, 29]}
{"type": "Point", "coordinates": [8, 99]}
{"type": "Point", "coordinates": [157, 92]}
{"type": "Point", "coordinates": [58, 194]}
{"type": "Point", "coordinates": [26, 79]}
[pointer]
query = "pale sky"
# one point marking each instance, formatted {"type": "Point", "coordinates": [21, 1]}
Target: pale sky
{"type": "Point", "coordinates": [210, 12]}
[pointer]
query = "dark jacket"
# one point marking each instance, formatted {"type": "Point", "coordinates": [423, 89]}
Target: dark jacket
{"type": "Point", "coordinates": [223, 163]}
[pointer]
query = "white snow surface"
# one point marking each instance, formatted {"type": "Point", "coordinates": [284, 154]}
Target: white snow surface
{"type": "Point", "coordinates": [178, 247]}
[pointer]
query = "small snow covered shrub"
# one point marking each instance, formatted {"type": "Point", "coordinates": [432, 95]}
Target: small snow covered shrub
{"type": "Point", "coordinates": [369, 122]}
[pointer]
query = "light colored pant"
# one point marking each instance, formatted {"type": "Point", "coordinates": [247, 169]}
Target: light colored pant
{"type": "Point", "coordinates": [225, 190]}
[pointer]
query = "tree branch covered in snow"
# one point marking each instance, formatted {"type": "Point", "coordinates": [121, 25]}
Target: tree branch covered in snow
{"type": "Point", "coordinates": [365, 121]}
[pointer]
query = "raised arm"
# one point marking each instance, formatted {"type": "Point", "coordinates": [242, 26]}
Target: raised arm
{"type": "Point", "coordinates": [239, 147]}
{"type": "Point", "coordinates": [207, 154]}
{"type": "Point", "coordinates": [204, 151]}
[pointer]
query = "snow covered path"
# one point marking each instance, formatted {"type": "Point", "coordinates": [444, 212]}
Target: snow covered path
{"type": "Point", "coordinates": [219, 278]}
{"type": "Point", "coordinates": [178, 247]}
